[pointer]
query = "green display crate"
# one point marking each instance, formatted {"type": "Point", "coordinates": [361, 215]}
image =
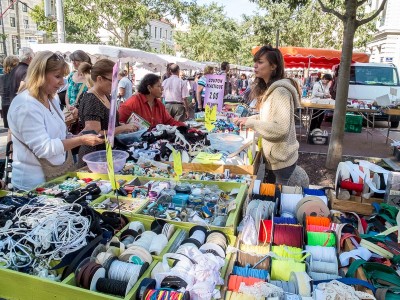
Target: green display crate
{"type": "Point", "coordinates": [233, 216]}
{"type": "Point", "coordinates": [353, 123]}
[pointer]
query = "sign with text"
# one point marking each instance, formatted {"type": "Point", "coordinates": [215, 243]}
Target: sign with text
{"type": "Point", "coordinates": [215, 90]}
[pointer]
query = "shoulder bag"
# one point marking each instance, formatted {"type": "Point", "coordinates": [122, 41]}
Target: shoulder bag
{"type": "Point", "coordinates": [50, 170]}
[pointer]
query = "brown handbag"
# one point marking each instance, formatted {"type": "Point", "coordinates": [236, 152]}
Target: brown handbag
{"type": "Point", "coordinates": [50, 170]}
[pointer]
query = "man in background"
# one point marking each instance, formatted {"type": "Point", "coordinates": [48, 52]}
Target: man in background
{"type": "Point", "coordinates": [124, 85]}
{"type": "Point", "coordinates": [176, 93]}
{"type": "Point", "coordinates": [225, 70]}
{"type": "Point", "coordinates": [18, 74]}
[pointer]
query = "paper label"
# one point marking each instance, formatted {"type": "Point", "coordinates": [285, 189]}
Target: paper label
{"type": "Point", "coordinates": [177, 163]}
{"type": "Point", "coordinates": [210, 117]}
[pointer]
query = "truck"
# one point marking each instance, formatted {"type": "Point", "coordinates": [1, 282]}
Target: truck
{"type": "Point", "coordinates": [368, 81]}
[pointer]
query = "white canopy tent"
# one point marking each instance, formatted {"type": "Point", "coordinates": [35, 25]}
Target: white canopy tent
{"type": "Point", "coordinates": [183, 63]}
{"type": "Point", "coordinates": [101, 51]}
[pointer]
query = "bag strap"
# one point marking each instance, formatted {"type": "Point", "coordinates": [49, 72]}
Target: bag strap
{"type": "Point", "coordinates": [79, 93]}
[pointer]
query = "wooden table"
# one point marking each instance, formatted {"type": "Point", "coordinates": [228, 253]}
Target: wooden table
{"type": "Point", "coordinates": [391, 112]}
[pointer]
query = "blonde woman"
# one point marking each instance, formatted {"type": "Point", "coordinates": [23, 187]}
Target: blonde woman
{"type": "Point", "coordinates": [201, 87]}
{"type": "Point", "coordinates": [37, 123]}
{"type": "Point", "coordinates": [10, 62]}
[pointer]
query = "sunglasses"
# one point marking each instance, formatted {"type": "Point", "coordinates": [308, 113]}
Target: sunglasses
{"type": "Point", "coordinates": [106, 78]}
{"type": "Point", "coordinates": [56, 56]}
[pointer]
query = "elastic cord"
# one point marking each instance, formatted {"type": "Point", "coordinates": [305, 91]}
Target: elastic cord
{"type": "Point", "coordinates": [289, 235]}
{"type": "Point", "coordinates": [321, 239]}
{"type": "Point", "coordinates": [267, 189]}
{"type": "Point", "coordinates": [235, 281]}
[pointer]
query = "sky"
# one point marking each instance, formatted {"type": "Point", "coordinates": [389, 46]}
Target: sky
{"type": "Point", "coordinates": [234, 8]}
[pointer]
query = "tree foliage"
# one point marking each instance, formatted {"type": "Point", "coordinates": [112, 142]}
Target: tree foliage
{"type": "Point", "coordinates": [211, 36]}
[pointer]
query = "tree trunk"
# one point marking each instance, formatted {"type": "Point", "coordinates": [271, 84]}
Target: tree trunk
{"type": "Point", "coordinates": [126, 39]}
{"type": "Point", "coordinates": [336, 142]}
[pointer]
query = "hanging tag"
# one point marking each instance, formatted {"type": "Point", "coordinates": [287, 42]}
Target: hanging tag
{"type": "Point", "coordinates": [110, 165]}
{"type": "Point", "coordinates": [210, 117]}
{"type": "Point", "coordinates": [259, 144]}
{"type": "Point", "coordinates": [250, 156]}
{"type": "Point", "coordinates": [176, 155]}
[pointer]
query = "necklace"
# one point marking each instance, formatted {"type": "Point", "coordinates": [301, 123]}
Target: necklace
{"type": "Point", "coordinates": [106, 103]}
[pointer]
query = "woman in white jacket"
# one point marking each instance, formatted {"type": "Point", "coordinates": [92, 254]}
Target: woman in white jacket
{"type": "Point", "coordinates": [37, 122]}
{"type": "Point", "coordinates": [320, 90]}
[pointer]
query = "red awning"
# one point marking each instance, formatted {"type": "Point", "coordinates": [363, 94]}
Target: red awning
{"type": "Point", "coordinates": [297, 57]}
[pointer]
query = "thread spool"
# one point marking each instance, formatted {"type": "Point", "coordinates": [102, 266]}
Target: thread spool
{"type": "Point", "coordinates": [234, 282]}
{"type": "Point", "coordinates": [197, 236]}
{"type": "Point", "coordinates": [289, 235]}
{"type": "Point", "coordinates": [320, 253]}
{"type": "Point", "coordinates": [265, 231]}
{"type": "Point", "coordinates": [173, 282]}
{"type": "Point", "coordinates": [111, 286]}
{"type": "Point", "coordinates": [280, 269]}
{"type": "Point", "coordinates": [321, 239]}
{"type": "Point", "coordinates": [250, 272]}
{"type": "Point", "coordinates": [157, 225]}
{"type": "Point", "coordinates": [145, 240]}
{"type": "Point", "coordinates": [288, 252]}
{"type": "Point", "coordinates": [218, 237]}
{"type": "Point", "coordinates": [289, 203]}
{"type": "Point", "coordinates": [168, 230]}
{"type": "Point", "coordinates": [283, 220]}
{"type": "Point", "coordinates": [166, 294]}
{"type": "Point", "coordinates": [258, 249]}
{"type": "Point", "coordinates": [267, 189]}
{"type": "Point", "coordinates": [351, 186]}
{"type": "Point", "coordinates": [317, 224]}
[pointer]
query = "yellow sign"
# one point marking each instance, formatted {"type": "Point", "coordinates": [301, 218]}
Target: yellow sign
{"type": "Point", "coordinates": [210, 117]}
{"type": "Point", "coordinates": [176, 155]}
{"type": "Point", "coordinates": [110, 165]}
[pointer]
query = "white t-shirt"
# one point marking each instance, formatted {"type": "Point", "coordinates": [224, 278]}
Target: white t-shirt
{"type": "Point", "coordinates": [127, 85]}
{"type": "Point", "coordinates": [42, 131]}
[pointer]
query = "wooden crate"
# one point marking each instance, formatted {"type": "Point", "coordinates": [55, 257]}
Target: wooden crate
{"type": "Point", "coordinates": [356, 204]}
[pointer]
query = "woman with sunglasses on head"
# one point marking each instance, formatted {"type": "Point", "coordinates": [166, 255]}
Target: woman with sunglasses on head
{"type": "Point", "coordinates": [37, 123]}
{"type": "Point", "coordinates": [277, 99]}
{"type": "Point", "coordinates": [94, 108]}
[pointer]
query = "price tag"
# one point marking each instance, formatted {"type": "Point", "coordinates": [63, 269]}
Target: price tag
{"type": "Point", "coordinates": [210, 117]}
{"type": "Point", "coordinates": [110, 165]}
{"type": "Point", "coordinates": [176, 155]}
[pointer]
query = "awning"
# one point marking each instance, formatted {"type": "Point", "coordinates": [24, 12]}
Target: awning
{"type": "Point", "coordinates": [318, 58]}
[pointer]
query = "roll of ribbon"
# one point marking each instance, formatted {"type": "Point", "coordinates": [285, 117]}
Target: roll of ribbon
{"type": "Point", "coordinates": [289, 235]}
{"type": "Point", "coordinates": [321, 239]}
{"type": "Point", "coordinates": [289, 203]}
{"type": "Point", "coordinates": [311, 206]}
{"type": "Point", "coordinates": [265, 231]}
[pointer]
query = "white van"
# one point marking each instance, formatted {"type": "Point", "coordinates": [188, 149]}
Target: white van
{"type": "Point", "coordinates": [369, 81]}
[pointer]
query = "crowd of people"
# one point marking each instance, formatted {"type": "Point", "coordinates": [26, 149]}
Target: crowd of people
{"type": "Point", "coordinates": [36, 114]}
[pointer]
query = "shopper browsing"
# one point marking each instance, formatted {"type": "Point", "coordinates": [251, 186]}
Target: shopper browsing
{"type": "Point", "coordinates": [37, 123]}
{"type": "Point", "coordinates": [94, 109]}
{"type": "Point", "coordinates": [277, 99]}
{"type": "Point", "coordinates": [147, 104]}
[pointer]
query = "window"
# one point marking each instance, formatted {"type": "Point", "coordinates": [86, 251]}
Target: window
{"type": "Point", "coordinates": [1, 20]}
{"type": "Point", "coordinates": [26, 24]}
{"type": "Point", "coordinates": [166, 34]}
{"type": "Point", "coordinates": [160, 33]}
{"type": "Point", "coordinates": [12, 21]}
{"type": "Point", "coordinates": [14, 42]}
{"type": "Point", "coordinates": [370, 75]}
{"type": "Point", "coordinates": [170, 36]}
{"type": "Point", "coordinates": [12, 4]}
{"type": "Point", "coordinates": [150, 30]}
{"type": "Point", "coordinates": [155, 32]}
{"type": "Point", "coordinates": [24, 7]}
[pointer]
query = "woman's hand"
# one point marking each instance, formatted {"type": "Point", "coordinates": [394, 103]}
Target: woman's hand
{"type": "Point", "coordinates": [126, 128]}
{"type": "Point", "coordinates": [91, 139]}
{"type": "Point", "coordinates": [239, 121]}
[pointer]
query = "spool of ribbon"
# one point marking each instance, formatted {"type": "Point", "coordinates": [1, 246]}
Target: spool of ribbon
{"type": "Point", "coordinates": [267, 189]}
{"type": "Point", "coordinates": [318, 224]}
{"type": "Point", "coordinates": [265, 231]}
{"type": "Point", "coordinates": [281, 269]}
{"type": "Point", "coordinates": [326, 239]}
{"type": "Point", "coordinates": [289, 203]}
{"type": "Point", "coordinates": [289, 235]}
{"type": "Point", "coordinates": [283, 220]}
{"type": "Point", "coordinates": [235, 281]}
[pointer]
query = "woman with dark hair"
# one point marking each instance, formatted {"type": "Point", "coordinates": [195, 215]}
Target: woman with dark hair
{"type": "Point", "coordinates": [94, 110]}
{"type": "Point", "coordinates": [277, 100]}
{"type": "Point", "coordinates": [147, 104]}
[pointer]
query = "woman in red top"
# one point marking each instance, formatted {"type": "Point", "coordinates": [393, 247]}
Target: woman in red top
{"type": "Point", "coordinates": [146, 103]}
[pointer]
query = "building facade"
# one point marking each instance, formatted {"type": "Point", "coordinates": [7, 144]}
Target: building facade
{"type": "Point", "coordinates": [160, 35]}
{"type": "Point", "coordinates": [385, 46]}
{"type": "Point", "coordinates": [28, 32]}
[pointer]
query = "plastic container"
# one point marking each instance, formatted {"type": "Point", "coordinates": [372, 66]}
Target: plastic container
{"type": "Point", "coordinates": [353, 123]}
{"type": "Point", "coordinates": [97, 161]}
{"type": "Point", "coordinates": [225, 141]}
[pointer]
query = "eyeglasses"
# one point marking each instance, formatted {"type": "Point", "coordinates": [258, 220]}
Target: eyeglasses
{"type": "Point", "coordinates": [106, 78]}
{"type": "Point", "coordinates": [56, 56]}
